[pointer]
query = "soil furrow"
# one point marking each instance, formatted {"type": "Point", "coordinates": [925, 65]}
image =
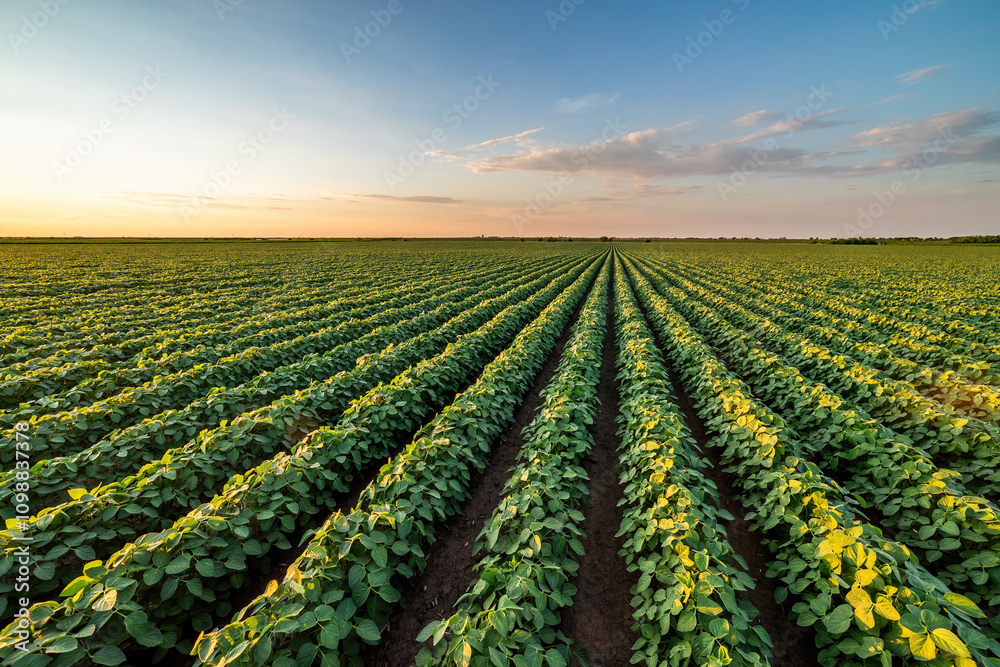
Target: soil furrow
{"type": "Point", "coordinates": [794, 646]}
{"type": "Point", "coordinates": [600, 618]}
{"type": "Point", "coordinates": [432, 594]}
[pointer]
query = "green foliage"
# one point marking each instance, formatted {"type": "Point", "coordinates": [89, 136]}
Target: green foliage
{"type": "Point", "coordinates": [851, 583]}
{"type": "Point", "coordinates": [688, 602]}
{"type": "Point", "coordinates": [355, 561]}
{"type": "Point", "coordinates": [531, 544]}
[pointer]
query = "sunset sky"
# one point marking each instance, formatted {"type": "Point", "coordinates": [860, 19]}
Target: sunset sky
{"type": "Point", "coordinates": [513, 118]}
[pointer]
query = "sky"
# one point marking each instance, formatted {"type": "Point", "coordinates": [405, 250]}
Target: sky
{"type": "Point", "coordinates": [420, 118]}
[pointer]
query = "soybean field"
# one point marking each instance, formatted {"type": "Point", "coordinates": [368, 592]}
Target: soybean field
{"type": "Point", "coordinates": [497, 453]}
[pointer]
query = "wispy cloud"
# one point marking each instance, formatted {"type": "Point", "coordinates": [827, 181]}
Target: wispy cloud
{"type": "Point", "coordinates": [163, 199]}
{"type": "Point", "coordinates": [757, 118]}
{"type": "Point", "coordinates": [419, 199]}
{"type": "Point", "coordinates": [791, 125]}
{"type": "Point", "coordinates": [648, 154]}
{"type": "Point", "coordinates": [503, 140]}
{"type": "Point", "coordinates": [902, 137]}
{"type": "Point", "coordinates": [653, 154]}
{"type": "Point", "coordinates": [645, 190]}
{"type": "Point", "coordinates": [585, 103]}
{"type": "Point", "coordinates": [952, 138]}
{"type": "Point", "coordinates": [920, 75]}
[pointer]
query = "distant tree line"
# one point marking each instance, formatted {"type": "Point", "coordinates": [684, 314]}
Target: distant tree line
{"type": "Point", "coordinates": [854, 241]}
{"type": "Point", "coordinates": [975, 239]}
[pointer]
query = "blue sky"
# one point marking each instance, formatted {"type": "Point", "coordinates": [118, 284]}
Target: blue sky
{"type": "Point", "coordinates": [220, 117]}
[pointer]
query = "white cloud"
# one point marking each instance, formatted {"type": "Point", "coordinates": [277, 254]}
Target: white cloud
{"type": "Point", "coordinates": [920, 75]}
{"type": "Point", "coordinates": [791, 125]}
{"type": "Point", "coordinates": [653, 154]}
{"type": "Point", "coordinates": [645, 155]}
{"type": "Point", "coordinates": [757, 118]}
{"type": "Point", "coordinates": [503, 140]}
{"type": "Point", "coordinates": [585, 103]}
{"type": "Point", "coordinates": [908, 136]}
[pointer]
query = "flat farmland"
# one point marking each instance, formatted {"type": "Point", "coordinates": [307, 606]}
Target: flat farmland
{"type": "Point", "coordinates": [499, 453]}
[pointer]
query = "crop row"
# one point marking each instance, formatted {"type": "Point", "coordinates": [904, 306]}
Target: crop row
{"type": "Point", "coordinates": [968, 358]}
{"type": "Point", "coordinates": [185, 572]}
{"type": "Point", "coordinates": [970, 446]}
{"type": "Point", "coordinates": [57, 337]}
{"type": "Point", "coordinates": [125, 451]}
{"type": "Point", "coordinates": [245, 314]}
{"type": "Point", "coordinates": [915, 301]}
{"type": "Point", "coordinates": [136, 304]}
{"type": "Point", "coordinates": [193, 347]}
{"type": "Point", "coordinates": [79, 380]}
{"type": "Point", "coordinates": [351, 568]}
{"type": "Point", "coordinates": [531, 544]}
{"type": "Point", "coordinates": [184, 477]}
{"type": "Point", "coordinates": [927, 507]}
{"type": "Point", "coordinates": [867, 596]}
{"type": "Point", "coordinates": [219, 367]}
{"type": "Point", "coordinates": [688, 599]}
{"type": "Point", "coordinates": [964, 384]}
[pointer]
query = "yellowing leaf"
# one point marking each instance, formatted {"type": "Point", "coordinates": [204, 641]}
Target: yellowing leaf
{"type": "Point", "coordinates": [107, 601]}
{"type": "Point", "coordinates": [859, 598]}
{"type": "Point", "coordinates": [865, 617]}
{"type": "Point", "coordinates": [884, 608]}
{"type": "Point", "coordinates": [923, 647]}
{"type": "Point", "coordinates": [964, 605]}
{"type": "Point", "coordinates": [949, 642]}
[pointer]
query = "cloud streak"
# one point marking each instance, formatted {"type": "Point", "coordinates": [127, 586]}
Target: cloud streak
{"type": "Point", "coordinates": [648, 154]}
{"type": "Point", "coordinates": [916, 76]}
{"type": "Point", "coordinates": [503, 140]}
{"type": "Point", "coordinates": [901, 137]}
{"type": "Point", "coordinates": [652, 154]}
{"type": "Point", "coordinates": [791, 125]}
{"type": "Point", "coordinates": [163, 199]}
{"type": "Point", "coordinates": [757, 118]}
{"type": "Point", "coordinates": [418, 199]}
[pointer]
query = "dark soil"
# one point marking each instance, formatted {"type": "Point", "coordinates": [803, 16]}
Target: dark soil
{"type": "Point", "coordinates": [450, 569]}
{"type": "Point", "coordinates": [600, 618]}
